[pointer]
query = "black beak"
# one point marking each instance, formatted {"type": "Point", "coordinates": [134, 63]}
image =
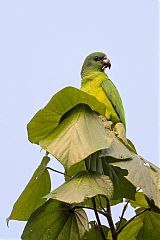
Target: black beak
{"type": "Point", "coordinates": [106, 63]}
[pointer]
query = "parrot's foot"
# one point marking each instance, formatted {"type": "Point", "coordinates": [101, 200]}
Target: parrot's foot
{"type": "Point", "coordinates": [107, 124]}
{"type": "Point", "coordinates": [120, 132]}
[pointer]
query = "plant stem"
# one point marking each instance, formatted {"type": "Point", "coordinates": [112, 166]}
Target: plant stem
{"type": "Point", "coordinates": [123, 212]}
{"type": "Point", "coordinates": [57, 171]}
{"type": "Point", "coordinates": [110, 220]}
{"type": "Point", "coordinates": [130, 220]}
{"type": "Point", "coordinates": [98, 220]}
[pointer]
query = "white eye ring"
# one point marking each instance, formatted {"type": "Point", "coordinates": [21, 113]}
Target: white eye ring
{"type": "Point", "coordinates": [105, 60]}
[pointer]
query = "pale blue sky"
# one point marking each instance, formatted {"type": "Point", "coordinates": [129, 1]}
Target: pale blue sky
{"type": "Point", "coordinates": [42, 47]}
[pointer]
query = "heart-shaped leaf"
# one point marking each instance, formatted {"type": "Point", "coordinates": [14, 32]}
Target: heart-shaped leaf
{"type": "Point", "coordinates": [56, 220]}
{"type": "Point", "coordinates": [145, 226]}
{"type": "Point", "coordinates": [78, 135]}
{"type": "Point", "coordinates": [49, 117]}
{"type": "Point", "coordinates": [151, 226]}
{"type": "Point", "coordinates": [84, 185]}
{"type": "Point", "coordinates": [32, 196]}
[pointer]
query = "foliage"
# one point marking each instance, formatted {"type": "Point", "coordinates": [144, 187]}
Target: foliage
{"type": "Point", "coordinates": [100, 171]}
{"type": "Point", "coordinates": [32, 196]}
{"type": "Point", "coordinates": [56, 220]}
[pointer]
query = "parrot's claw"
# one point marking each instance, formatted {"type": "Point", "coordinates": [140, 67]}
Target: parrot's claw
{"type": "Point", "coordinates": [120, 132]}
{"type": "Point", "coordinates": [107, 124]}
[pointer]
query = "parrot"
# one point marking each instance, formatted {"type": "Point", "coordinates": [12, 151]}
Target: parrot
{"type": "Point", "coordinates": [96, 82]}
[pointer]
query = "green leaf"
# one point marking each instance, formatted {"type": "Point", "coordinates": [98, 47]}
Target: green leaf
{"type": "Point", "coordinates": [122, 187]}
{"type": "Point", "coordinates": [140, 201]}
{"type": "Point", "coordinates": [131, 230]}
{"type": "Point", "coordinates": [77, 136]}
{"type": "Point", "coordinates": [144, 227]}
{"type": "Point", "coordinates": [94, 233]}
{"type": "Point", "coordinates": [131, 145]}
{"type": "Point", "coordinates": [143, 174]}
{"type": "Point", "coordinates": [84, 185]}
{"type": "Point", "coordinates": [32, 196]}
{"type": "Point", "coordinates": [47, 119]}
{"type": "Point", "coordinates": [56, 220]}
{"type": "Point", "coordinates": [151, 226]}
{"type": "Point", "coordinates": [117, 150]}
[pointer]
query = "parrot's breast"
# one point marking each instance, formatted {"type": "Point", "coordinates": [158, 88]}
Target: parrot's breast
{"type": "Point", "coordinates": [92, 86]}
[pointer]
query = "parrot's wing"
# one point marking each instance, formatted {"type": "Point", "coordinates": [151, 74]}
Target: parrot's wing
{"type": "Point", "coordinates": [115, 99]}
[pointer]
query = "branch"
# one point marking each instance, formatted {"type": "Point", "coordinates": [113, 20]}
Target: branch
{"type": "Point", "coordinates": [57, 171]}
{"type": "Point", "coordinates": [130, 220]}
{"type": "Point", "coordinates": [110, 220]}
{"type": "Point", "coordinates": [123, 212]}
{"type": "Point", "coordinates": [98, 220]}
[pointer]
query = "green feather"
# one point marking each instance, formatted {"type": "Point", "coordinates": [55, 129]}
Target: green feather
{"type": "Point", "coordinates": [115, 99]}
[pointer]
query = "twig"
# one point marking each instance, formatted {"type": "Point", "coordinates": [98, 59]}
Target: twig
{"type": "Point", "coordinates": [130, 220]}
{"type": "Point", "coordinates": [58, 171]}
{"type": "Point", "coordinates": [123, 212]}
{"type": "Point", "coordinates": [110, 220]}
{"type": "Point", "coordinates": [98, 220]}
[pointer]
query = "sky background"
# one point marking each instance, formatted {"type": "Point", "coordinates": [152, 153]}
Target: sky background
{"type": "Point", "coordinates": [42, 47]}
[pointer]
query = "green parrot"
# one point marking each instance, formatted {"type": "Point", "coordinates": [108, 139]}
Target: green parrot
{"type": "Point", "coordinates": [96, 82]}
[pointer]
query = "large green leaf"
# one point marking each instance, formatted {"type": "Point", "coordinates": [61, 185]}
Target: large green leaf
{"type": "Point", "coordinates": [131, 230]}
{"type": "Point", "coordinates": [49, 117]}
{"type": "Point", "coordinates": [118, 149]}
{"type": "Point", "coordinates": [77, 136]}
{"type": "Point", "coordinates": [144, 227]}
{"type": "Point", "coordinates": [56, 220]}
{"type": "Point", "coordinates": [122, 187]}
{"type": "Point", "coordinates": [32, 196]}
{"type": "Point", "coordinates": [84, 185]}
{"type": "Point", "coordinates": [140, 201]}
{"type": "Point", "coordinates": [100, 200]}
{"type": "Point", "coordinates": [151, 226]}
{"type": "Point", "coordinates": [143, 174]}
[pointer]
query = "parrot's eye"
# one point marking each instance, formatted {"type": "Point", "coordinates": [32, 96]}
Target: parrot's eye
{"type": "Point", "coordinates": [96, 58]}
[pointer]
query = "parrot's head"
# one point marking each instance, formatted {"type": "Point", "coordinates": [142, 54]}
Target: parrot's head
{"type": "Point", "coordinates": [95, 62]}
